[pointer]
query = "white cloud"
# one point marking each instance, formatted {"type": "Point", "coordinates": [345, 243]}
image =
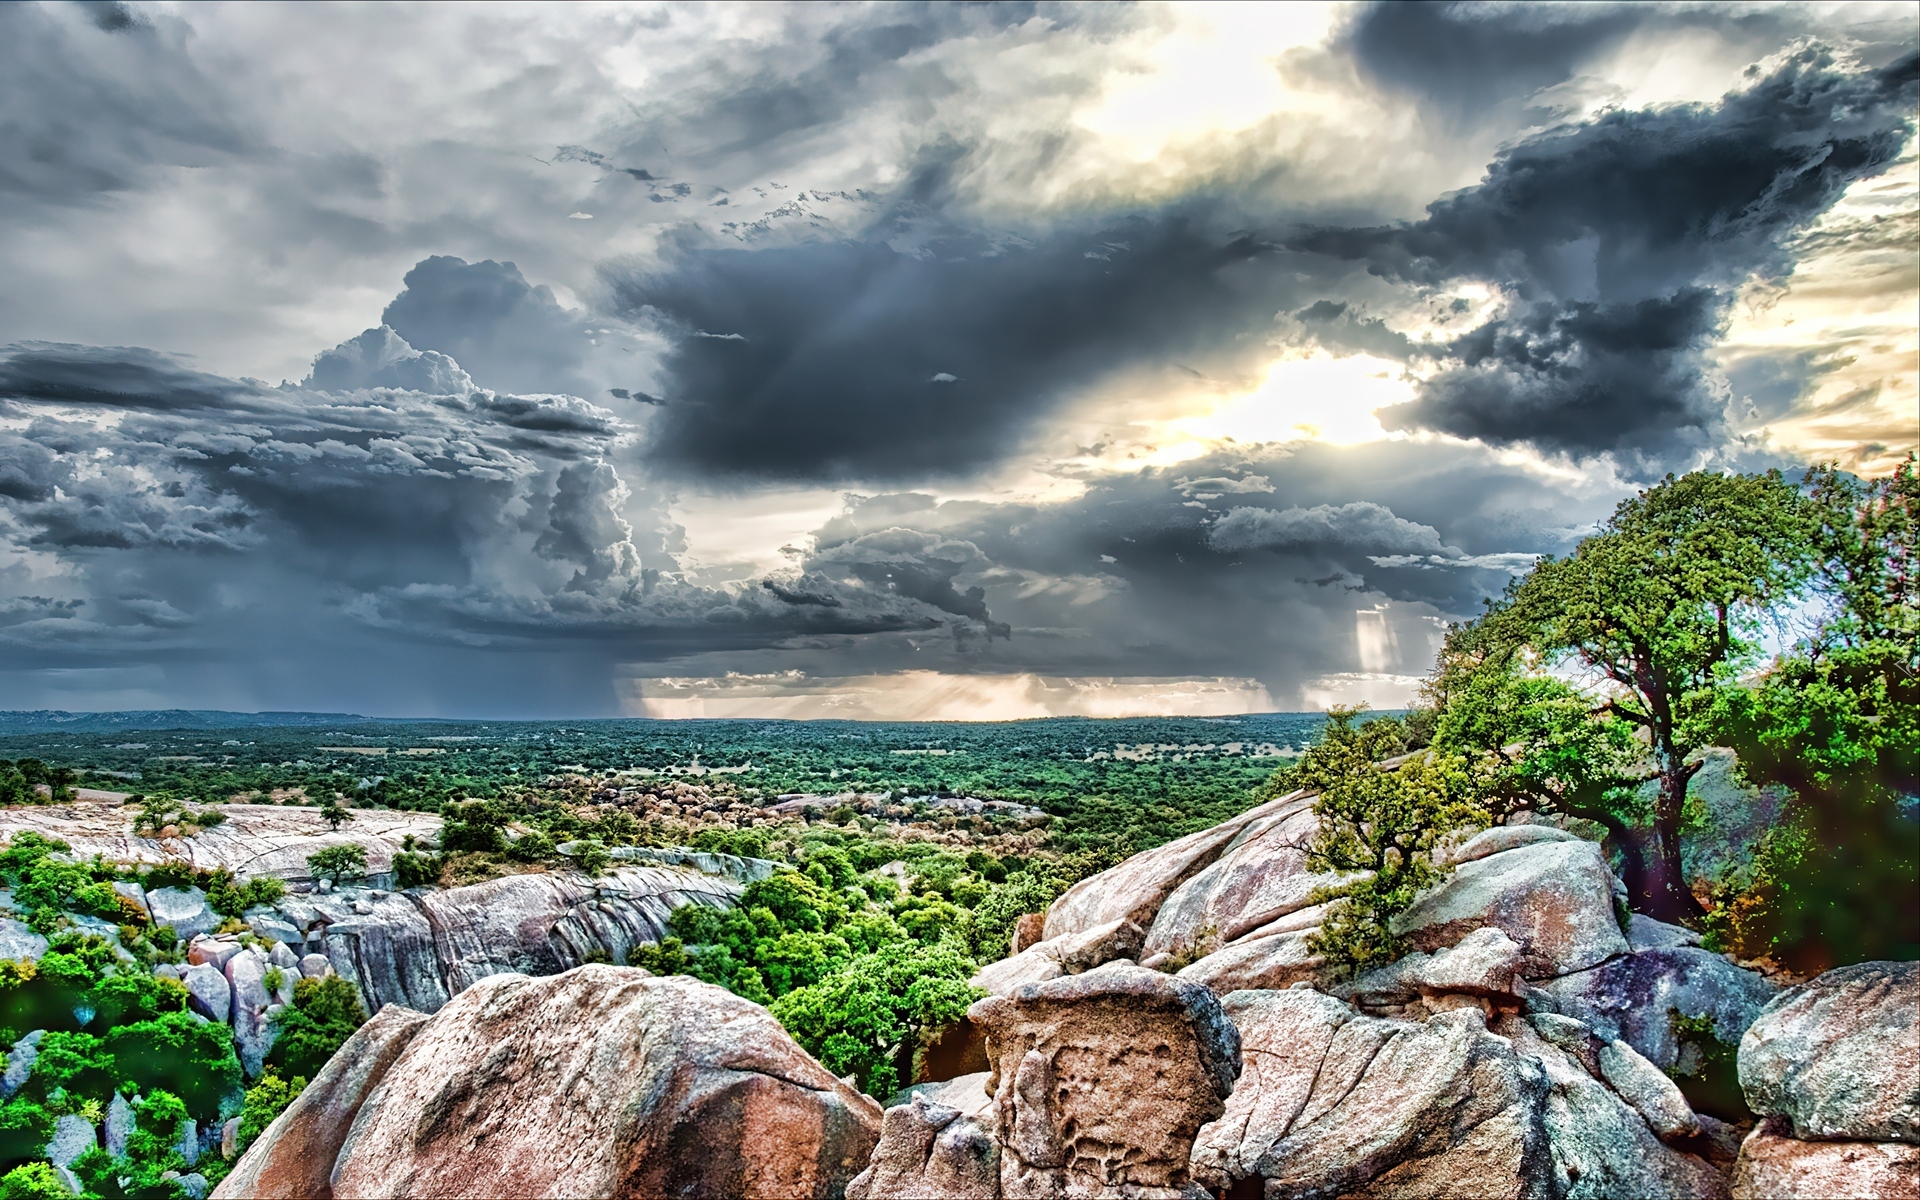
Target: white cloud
{"type": "Point", "coordinates": [938, 696]}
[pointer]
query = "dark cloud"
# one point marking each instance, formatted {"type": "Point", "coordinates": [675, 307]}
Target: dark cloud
{"type": "Point", "coordinates": [1617, 242]}
{"type": "Point", "coordinates": [856, 359]}
{"type": "Point", "coordinates": [90, 105]}
{"type": "Point", "coordinates": [114, 376]}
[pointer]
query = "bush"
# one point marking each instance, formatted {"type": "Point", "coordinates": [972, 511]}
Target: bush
{"type": "Point", "coordinates": [33, 1181]}
{"type": "Point", "coordinates": [230, 898]}
{"type": "Point", "coordinates": [266, 1100]}
{"type": "Point", "coordinates": [871, 1016]}
{"type": "Point", "coordinates": [415, 870]}
{"type": "Point", "coordinates": [668, 956]}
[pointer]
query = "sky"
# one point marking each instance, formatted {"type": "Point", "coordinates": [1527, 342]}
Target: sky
{"type": "Point", "coordinates": [900, 361]}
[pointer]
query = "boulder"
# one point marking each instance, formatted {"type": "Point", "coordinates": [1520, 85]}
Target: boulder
{"type": "Point", "coordinates": [183, 910]}
{"type": "Point", "coordinates": [1335, 1103]}
{"type": "Point", "coordinates": [389, 952]}
{"type": "Point", "coordinates": [600, 1082]}
{"type": "Point", "coordinates": [1645, 933]}
{"type": "Point", "coordinates": [1135, 890]}
{"type": "Point", "coordinates": [119, 1124]}
{"type": "Point", "coordinates": [1643, 1086]}
{"type": "Point", "coordinates": [19, 942]}
{"type": "Point", "coordinates": [212, 951]}
{"type": "Point", "coordinates": [20, 1060]}
{"type": "Point", "coordinates": [271, 927]}
{"type": "Point", "coordinates": [1261, 877]}
{"type": "Point", "coordinates": [1028, 930]}
{"type": "Point", "coordinates": [293, 1158]}
{"type": "Point", "coordinates": [1100, 1082]}
{"type": "Point", "coordinates": [315, 966]}
{"type": "Point", "coordinates": [73, 1135]}
{"type": "Point", "coordinates": [1839, 1057]}
{"type": "Point", "coordinates": [229, 1137]}
{"type": "Point", "coordinates": [252, 1033]}
{"type": "Point", "coordinates": [208, 991]}
{"type": "Point", "coordinates": [1485, 963]}
{"type": "Point", "coordinates": [127, 889]}
{"type": "Point", "coordinates": [1635, 997]}
{"type": "Point", "coordinates": [1278, 961]}
{"type": "Point", "coordinates": [283, 958]}
{"type": "Point", "coordinates": [1068, 954]}
{"type": "Point", "coordinates": [1505, 837]}
{"type": "Point", "coordinates": [930, 1149]}
{"type": "Point", "coordinates": [1554, 898]}
{"type": "Point", "coordinates": [1774, 1165]}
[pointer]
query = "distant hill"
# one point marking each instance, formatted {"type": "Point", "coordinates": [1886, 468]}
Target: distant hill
{"type": "Point", "coordinates": [50, 720]}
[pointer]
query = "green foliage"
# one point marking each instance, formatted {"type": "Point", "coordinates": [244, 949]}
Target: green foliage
{"type": "Point", "coordinates": [25, 1126]}
{"type": "Point", "coordinates": [668, 956]}
{"type": "Point", "coordinates": [33, 1181]}
{"type": "Point", "coordinates": [324, 1014]}
{"type": "Point", "coordinates": [1664, 605]}
{"type": "Point", "coordinates": [338, 864]}
{"type": "Point", "coordinates": [266, 1099]}
{"type": "Point", "coordinates": [415, 870]}
{"type": "Point", "coordinates": [37, 869]}
{"type": "Point", "coordinates": [1707, 1069]}
{"type": "Point", "coordinates": [230, 898]}
{"type": "Point", "coordinates": [476, 825]}
{"type": "Point", "coordinates": [868, 1017]}
{"type": "Point", "coordinates": [335, 815]}
{"type": "Point", "coordinates": [744, 843]}
{"type": "Point", "coordinates": [193, 1059]}
{"type": "Point", "coordinates": [1385, 822]}
{"type": "Point", "coordinates": [994, 916]}
{"type": "Point", "coordinates": [592, 858]}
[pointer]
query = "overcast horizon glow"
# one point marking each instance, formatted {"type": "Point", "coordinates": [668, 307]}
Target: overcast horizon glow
{"type": "Point", "coordinates": [900, 361]}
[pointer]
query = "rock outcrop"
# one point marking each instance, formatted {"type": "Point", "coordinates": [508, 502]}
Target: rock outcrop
{"type": "Point", "coordinates": [294, 1156]}
{"type": "Point", "coordinates": [1099, 1084]}
{"type": "Point", "coordinates": [255, 839]}
{"type": "Point", "coordinates": [1833, 1067]}
{"type": "Point", "coordinates": [1068, 954]}
{"type": "Point", "coordinates": [1333, 1102]}
{"type": "Point", "coordinates": [1554, 898]}
{"type": "Point", "coordinates": [599, 1082]}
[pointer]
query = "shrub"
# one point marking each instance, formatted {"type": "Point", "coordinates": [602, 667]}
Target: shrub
{"type": "Point", "coordinates": [668, 956]}
{"type": "Point", "coordinates": [415, 870]}
{"type": "Point", "coordinates": [33, 1181]}
{"type": "Point", "coordinates": [266, 1100]}
{"type": "Point", "coordinates": [869, 1017]}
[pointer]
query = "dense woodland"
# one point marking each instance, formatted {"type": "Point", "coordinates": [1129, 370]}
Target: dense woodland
{"type": "Point", "coordinates": [1603, 691]}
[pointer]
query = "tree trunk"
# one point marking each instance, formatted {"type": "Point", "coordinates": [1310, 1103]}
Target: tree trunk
{"type": "Point", "coordinates": [1664, 894]}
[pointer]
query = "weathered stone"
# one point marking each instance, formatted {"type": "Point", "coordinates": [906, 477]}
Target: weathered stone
{"type": "Point", "coordinates": [1645, 933]}
{"type": "Point", "coordinates": [316, 966]}
{"type": "Point", "coordinates": [69, 1180]}
{"type": "Point", "coordinates": [229, 1137]}
{"type": "Point", "coordinates": [1485, 963]}
{"type": "Point", "coordinates": [208, 991]}
{"type": "Point", "coordinates": [183, 910]}
{"type": "Point", "coordinates": [73, 1135]}
{"type": "Point", "coordinates": [1334, 1103]}
{"type": "Point", "coordinates": [1269, 962]}
{"type": "Point", "coordinates": [1069, 954]}
{"type": "Point", "coordinates": [189, 1146]}
{"type": "Point", "coordinates": [1029, 929]}
{"type": "Point", "coordinates": [928, 1149]}
{"type": "Point", "coordinates": [1029, 966]}
{"type": "Point", "coordinates": [601, 1082]}
{"type": "Point", "coordinates": [127, 889]}
{"type": "Point", "coordinates": [212, 951]}
{"type": "Point", "coordinates": [20, 1060]}
{"type": "Point", "coordinates": [1101, 1080]}
{"type": "Point", "coordinates": [119, 1124]}
{"type": "Point", "coordinates": [1840, 1056]}
{"type": "Point", "coordinates": [283, 958]}
{"type": "Point", "coordinates": [1261, 877]}
{"type": "Point", "coordinates": [1651, 1093]}
{"type": "Point", "coordinates": [1554, 898]}
{"type": "Point", "coordinates": [293, 1158]}
{"type": "Point", "coordinates": [1776, 1166]}
{"type": "Point", "coordinates": [1635, 997]}
{"type": "Point", "coordinates": [1135, 890]}
{"type": "Point", "coordinates": [273, 928]}
{"type": "Point", "coordinates": [194, 1184]}
{"type": "Point", "coordinates": [252, 1034]}
{"type": "Point", "coordinates": [1506, 837]}
{"type": "Point", "coordinates": [19, 942]}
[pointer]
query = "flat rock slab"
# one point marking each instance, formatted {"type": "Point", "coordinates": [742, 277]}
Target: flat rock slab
{"type": "Point", "coordinates": [1839, 1057]}
{"type": "Point", "coordinates": [1261, 877]}
{"type": "Point", "coordinates": [255, 839]}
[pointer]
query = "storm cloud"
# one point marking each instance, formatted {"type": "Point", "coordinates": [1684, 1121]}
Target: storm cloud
{"type": "Point", "coordinates": [1618, 241]}
{"type": "Point", "coordinates": [854, 359]}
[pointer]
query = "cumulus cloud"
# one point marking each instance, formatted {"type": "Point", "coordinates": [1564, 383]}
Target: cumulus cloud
{"type": "Point", "coordinates": [1363, 525]}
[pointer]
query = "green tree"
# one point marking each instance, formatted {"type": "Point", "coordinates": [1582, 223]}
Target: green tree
{"type": "Point", "coordinates": [335, 815]}
{"type": "Point", "coordinates": [33, 1181]}
{"type": "Point", "coordinates": [324, 1014]}
{"type": "Point", "coordinates": [868, 1018]}
{"type": "Point", "coordinates": [1663, 604]}
{"type": "Point", "coordinates": [338, 864]}
{"type": "Point", "coordinates": [265, 1100]}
